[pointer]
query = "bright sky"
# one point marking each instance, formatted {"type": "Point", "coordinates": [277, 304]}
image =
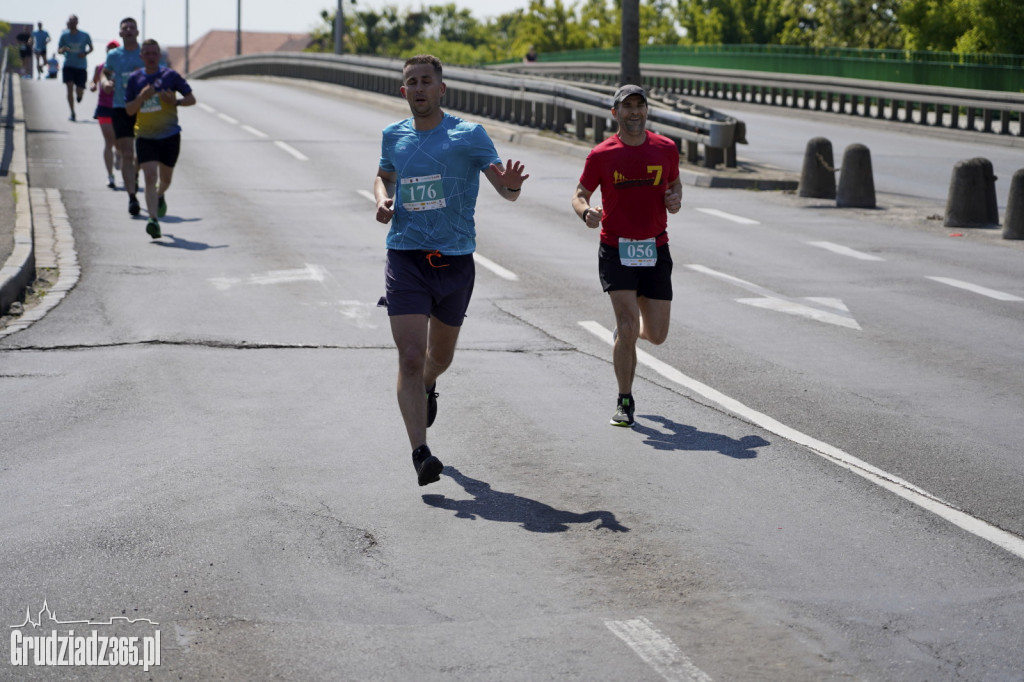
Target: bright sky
{"type": "Point", "coordinates": [164, 20]}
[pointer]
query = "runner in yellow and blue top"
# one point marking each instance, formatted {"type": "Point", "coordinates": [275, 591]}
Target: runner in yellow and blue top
{"type": "Point", "coordinates": [120, 64]}
{"type": "Point", "coordinates": [151, 95]}
{"type": "Point", "coordinates": [426, 187]}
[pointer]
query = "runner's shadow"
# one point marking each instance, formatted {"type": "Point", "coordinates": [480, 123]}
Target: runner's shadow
{"type": "Point", "coordinates": [179, 243]}
{"type": "Point", "coordinates": [532, 515]}
{"type": "Point", "coordinates": [683, 437]}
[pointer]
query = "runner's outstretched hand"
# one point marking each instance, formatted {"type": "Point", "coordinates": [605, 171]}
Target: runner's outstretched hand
{"type": "Point", "coordinates": [512, 177]}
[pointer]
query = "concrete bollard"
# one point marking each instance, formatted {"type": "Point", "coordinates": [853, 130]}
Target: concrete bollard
{"type": "Point", "coordinates": [1013, 223]}
{"type": "Point", "coordinates": [856, 182]}
{"type": "Point", "coordinates": [818, 177]}
{"type": "Point", "coordinates": [972, 195]}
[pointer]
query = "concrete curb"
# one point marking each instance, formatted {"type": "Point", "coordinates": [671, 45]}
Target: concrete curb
{"type": "Point", "coordinates": [19, 270]}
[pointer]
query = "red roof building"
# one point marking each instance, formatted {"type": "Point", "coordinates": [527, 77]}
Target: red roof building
{"type": "Point", "coordinates": [222, 44]}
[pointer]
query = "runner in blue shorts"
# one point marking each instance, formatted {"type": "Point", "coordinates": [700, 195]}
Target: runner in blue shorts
{"type": "Point", "coordinates": [426, 187]}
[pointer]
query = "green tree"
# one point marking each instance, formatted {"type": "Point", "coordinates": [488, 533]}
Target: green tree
{"type": "Point", "coordinates": [963, 26]}
{"type": "Point", "coordinates": [841, 23]}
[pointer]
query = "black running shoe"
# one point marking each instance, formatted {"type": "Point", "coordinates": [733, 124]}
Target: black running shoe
{"type": "Point", "coordinates": [431, 405]}
{"type": "Point", "coordinates": [133, 205]}
{"type": "Point", "coordinates": [428, 467]}
{"type": "Point", "coordinates": [161, 208]}
{"type": "Point", "coordinates": [624, 409]}
{"type": "Point", "coordinates": [153, 228]}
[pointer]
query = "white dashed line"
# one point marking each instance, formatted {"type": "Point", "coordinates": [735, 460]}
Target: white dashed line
{"type": "Point", "coordinates": [984, 291]}
{"type": "Point", "coordinates": [291, 150]}
{"type": "Point", "coordinates": [729, 216]}
{"type": "Point", "coordinates": [845, 251]}
{"type": "Point", "coordinates": [495, 268]}
{"type": "Point", "coordinates": [225, 117]}
{"type": "Point", "coordinates": [657, 650]}
{"type": "Point", "coordinates": [366, 194]}
{"type": "Point", "coordinates": [1008, 541]}
{"type": "Point", "coordinates": [206, 107]}
{"type": "Point", "coordinates": [254, 131]}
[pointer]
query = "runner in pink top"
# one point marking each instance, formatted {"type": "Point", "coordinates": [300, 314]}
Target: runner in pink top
{"type": "Point", "coordinates": [104, 112]}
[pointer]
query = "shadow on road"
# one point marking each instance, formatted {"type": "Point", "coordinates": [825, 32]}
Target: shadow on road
{"type": "Point", "coordinates": [492, 505]}
{"type": "Point", "coordinates": [179, 243]}
{"type": "Point", "coordinates": [676, 436]}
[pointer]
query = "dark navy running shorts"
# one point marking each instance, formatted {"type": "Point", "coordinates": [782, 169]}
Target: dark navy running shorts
{"type": "Point", "coordinates": [654, 282]}
{"type": "Point", "coordinates": [428, 283]}
{"type": "Point", "coordinates": [124, 125]}
{"type": "Point", "coordinates": [76, 76]}
{"type": "Point", "coordinates": [165, 150]}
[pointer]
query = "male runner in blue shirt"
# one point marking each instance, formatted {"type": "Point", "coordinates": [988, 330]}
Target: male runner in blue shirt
{"type": "Point", "coordinates": [426, 187]}
{"type": "Point", "coordinates": [121, 63]}
{"type": "Point", "coordinates": [75, 45]}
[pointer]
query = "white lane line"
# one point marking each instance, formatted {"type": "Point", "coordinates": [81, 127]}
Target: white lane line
{"type": "Point", "coordinates": [225, 117]}
{"type": "Point", "coordinates": [984, 291]}
{"type": "Point", "coordinates": [657, 650]}
{"type": "Point", "coordinates": [845, 251]}
{"type": "Point", "coordinates": [729, 216]}
{"type": "Point", "coordinates": [254, 131]}
{"type": "Point", "coordinates": [206, 107]}
{"type": "Point", "coordinates": [1008, 541]}
{"type": "Point", "coordinates": [482, 261]}
{"type": "Point", "coordinates": [495, 268]}
{"type": "Point", "coordinates": [291, 150]}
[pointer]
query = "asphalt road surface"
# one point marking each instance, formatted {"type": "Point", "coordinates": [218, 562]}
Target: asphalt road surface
{"type": "Point", "coordinates": [202, 440]}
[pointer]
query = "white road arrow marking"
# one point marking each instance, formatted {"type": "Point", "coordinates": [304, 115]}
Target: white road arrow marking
{"type": "Point", "coordinates": [310, 273]}
{"type": "Point", "coordinates": [769, 300]}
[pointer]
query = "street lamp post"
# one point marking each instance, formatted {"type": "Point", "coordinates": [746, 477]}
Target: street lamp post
{"type": "Point", "coordinates": [238, 31]}
{"type": "Point", "coordinates": [186, 36]}
{"type": "Point", "coordinates": [339, 27]}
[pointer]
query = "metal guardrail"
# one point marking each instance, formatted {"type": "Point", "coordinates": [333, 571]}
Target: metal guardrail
{"type": "Point", "coordinates": [523, 99]}
{"type": "Point", "coordinates": [3, 76]}
{"type": "Point", "coordinates": [985, 111]}
{"type": "Point", "coordinates": [977, 71]}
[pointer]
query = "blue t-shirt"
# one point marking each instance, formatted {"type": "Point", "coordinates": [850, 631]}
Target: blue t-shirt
{"type": "Point", "coordinates": [122, 63]}
{"type": "Point", "coordinates": [438, 181]}
{"type": "Point", "coordinates": [156, 119]}
{"type": "Point", "coordinates": [77, 42]}
{"type": "Point", "coordinates": [39, 39]}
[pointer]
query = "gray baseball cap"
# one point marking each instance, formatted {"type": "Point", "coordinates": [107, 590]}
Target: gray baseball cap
{"type": "Point", "coordinates": [627, 90]}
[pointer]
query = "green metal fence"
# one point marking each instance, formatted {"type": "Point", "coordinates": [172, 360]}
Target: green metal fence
{"type": "Point", "coordinates": [947, 69]}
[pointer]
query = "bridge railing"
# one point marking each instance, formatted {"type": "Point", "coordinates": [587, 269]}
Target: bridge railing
{"type": "Point", "coordinates": [987, 111]}
{"type": "Point", "coordinates": [523, 99]}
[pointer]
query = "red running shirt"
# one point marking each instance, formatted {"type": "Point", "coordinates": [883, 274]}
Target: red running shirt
{"type": "Point", "coordinates": [633, 182]}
